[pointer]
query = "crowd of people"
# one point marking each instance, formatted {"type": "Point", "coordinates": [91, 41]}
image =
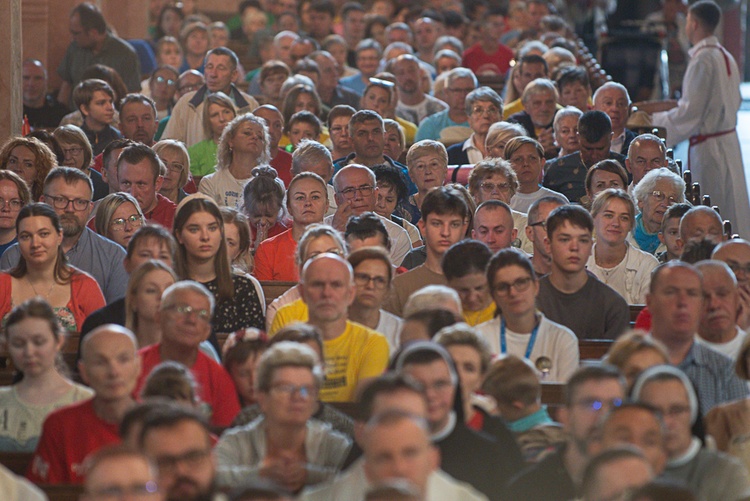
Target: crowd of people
{"type": "Point", "coordinates": [443, 248]}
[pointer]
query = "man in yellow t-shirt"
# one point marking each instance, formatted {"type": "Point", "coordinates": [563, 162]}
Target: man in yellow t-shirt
{"type": "Point", "coordinates": [353, 353]}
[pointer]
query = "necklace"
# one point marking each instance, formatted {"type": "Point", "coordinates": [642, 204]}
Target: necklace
{"type": "Point", "coordinates": [46, 296]}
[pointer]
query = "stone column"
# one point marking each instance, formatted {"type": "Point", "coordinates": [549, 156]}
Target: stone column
{"type": "Point", "coordinates": [11, 55]}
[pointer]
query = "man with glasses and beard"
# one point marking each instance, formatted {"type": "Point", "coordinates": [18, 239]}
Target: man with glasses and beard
{"type": "Point", "coordinates": [69, 191]}
{"type": "Point", "coordinates": [178, 440]}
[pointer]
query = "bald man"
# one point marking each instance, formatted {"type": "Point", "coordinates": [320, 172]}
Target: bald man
{"type": "Point", "coordinates": [701, 222]}
{"type": "Point", "coordinates": [109, 365]}
{"type": "Point", "coordinates": [353, 353]}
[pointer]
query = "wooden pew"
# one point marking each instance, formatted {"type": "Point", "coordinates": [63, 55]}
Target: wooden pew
{"type": "Point", "coordinates": [553, 394]}
{"type": "Point", "coordinates": [494, 82]}
{"type": "Point", "coordinates": [635, 310]}
{"type": "Point", "coordinates": [62, 492]}
{"type": "Point", "coordinates": [593, 349]}
{"type": "Point", "coordinates": [17, 462]}
{"type": "Point", "coordinates": [272, 290]}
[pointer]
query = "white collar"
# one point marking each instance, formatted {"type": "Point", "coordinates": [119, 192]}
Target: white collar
{"type": "Point", "coordinates": [447, 429]}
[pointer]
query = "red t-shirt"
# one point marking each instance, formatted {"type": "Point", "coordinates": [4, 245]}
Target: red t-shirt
{"type": "Point", "coordinates": [215, 387]}
{"type": "Point", "coordinates": [163, 213]}
{"type": "Point", "coordinates": [282, 162]}
{"type": "Point", "coordinates": [481, 63]}
{"type": "Point", "coordinates": [69, 435]}
{"type": "Point", "coordinates": [274, 259]}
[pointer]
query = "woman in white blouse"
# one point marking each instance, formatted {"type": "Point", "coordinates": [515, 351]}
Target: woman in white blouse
{"type": "Point", "coordinates": [613, 260]}
{"type": "Point", "coordinates": [521, 330]}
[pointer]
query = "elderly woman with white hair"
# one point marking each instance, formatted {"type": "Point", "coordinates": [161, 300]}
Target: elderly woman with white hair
{"type": "Point", "coordinates": [709, 473]}
{"type": "Point", "coordinates": [283, 445]}
{"type": "Point", "coordinates": [565, 127]}
{"type": "Point", "coordinates": [484, 107]}
{"type": "Point", "coordinates": [244, 145]}
{"type": "Point", "coordinates": [427, 163]}
{"type": "Point", "coordinates": [658, 190]}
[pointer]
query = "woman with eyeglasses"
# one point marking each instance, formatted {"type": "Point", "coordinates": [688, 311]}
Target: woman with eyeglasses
{"type": "Point", "coordinates": [78, 154]}
{"type": "Point", "coordinates": [658, 190]}
{"type": "Point", "coordinates": [14, 195]}
{"type": "Point", "coordinates": [613, 260]}
{"type": "Point", "coordinates": [142, 301]}
{"type": "Point", "coordinates": [283, 445]}
{"type": "Point", "coordinates": [175, 157]}
{"type": "Point", "coordinates": [30, 159]}
{"type": "Point", "coordinates": [202, 256]}
{"type": "Point", "coordinates": [118, 216]}
{"type": "Point", "coordinates": [521, 329]}
{"type": "Point", "coordinates": [495, 179]}
{"type": "Point", "coordinates": [43, 271]}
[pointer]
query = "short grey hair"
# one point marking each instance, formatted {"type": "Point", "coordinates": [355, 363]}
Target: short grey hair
{"type": "Point", "coordinates": [399, 45]}
{"type": "Point", "coordinates": [647, 184]}
{"type": "Point", "coordinates": [483, 94]}
{"type": "Point", "coordinates": [426, 147]}
{"type": "Point", "coordinates": [636, 143]}
{"type": "Point", "coordinates": [465, 335]}
{"type": "Point", "coordinates": [369, 171]}
{"type": "Point", "coordinates": [189, 285]}
{"type": "Point", "coordinates": [457, 73]}
{"type": "Point", "coordinates": [287, 354]}
{"type": "Point", "coordinates": [431, 297]}
{"type": "Point", "coordinates": [612, 85]}
{"type": "Point", "coordinates": [531, 46]}
{"type": "Point", "coordinates": [537, 87]}
{"type": "Point", "coordinates": [503, 132]}
{"type": "Point", "coordinates": [309, 153]}
{"type": "Point", "coordinates": [568, 111]}
{"type": "Point", "coordinates": [285, 34]}
{"type": "Point", "coordinates": [454, 42]}
{"type": "Point", "coordinates": [367, 44]}
{"type": "Point", "coordinates": [295, 80]}
{"type": "Point", "coordinates": [447, 53]}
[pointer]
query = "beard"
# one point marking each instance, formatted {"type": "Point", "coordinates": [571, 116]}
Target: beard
{"type": "Point", "coordinates": [206, 494]}
{"type": "Point", "coordinates": [71, 225]}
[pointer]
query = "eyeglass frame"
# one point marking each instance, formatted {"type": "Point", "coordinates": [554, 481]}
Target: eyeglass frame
{"type": "Point", "coordinates": [185, 310]}
{"type": "Point", "coordinates": [57, 200]}
{"type": "Point", "coordinates": [365, 190]}
{"type": "Point", "coordinates": [119, 223]}
{"type": "Point", "coordinates": [520, 285]}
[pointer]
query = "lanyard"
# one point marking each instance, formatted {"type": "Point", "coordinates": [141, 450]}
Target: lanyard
{"type": "Point", "coordinates": [529, 346]}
